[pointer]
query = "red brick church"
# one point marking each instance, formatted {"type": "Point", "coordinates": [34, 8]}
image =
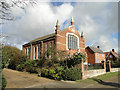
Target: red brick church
{"type": "Point", "coordinates": [67, 39]}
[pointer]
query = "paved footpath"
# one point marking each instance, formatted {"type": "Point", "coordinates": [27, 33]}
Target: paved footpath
{"type": "Point", "coordinates": [16, 79]}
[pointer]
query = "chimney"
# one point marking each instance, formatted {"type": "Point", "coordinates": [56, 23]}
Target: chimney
{"type": "Point", "coordinates": [98, 47]}
{"type": "Point", "coordinates": [113, 50]}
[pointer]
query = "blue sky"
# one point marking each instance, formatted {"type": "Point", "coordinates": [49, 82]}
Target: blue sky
{"type": "Point", "coordinates": [98, 21]}
{"type": "Point", "coordinates": [60, 3]}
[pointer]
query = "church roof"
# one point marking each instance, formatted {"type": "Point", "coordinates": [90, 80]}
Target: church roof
{"type": "Point", "coordinates": [47, 37]}
{"type": "Point", "coordinates": [44, 37]}
{"type": "Point", "coordinates": [41, 39]}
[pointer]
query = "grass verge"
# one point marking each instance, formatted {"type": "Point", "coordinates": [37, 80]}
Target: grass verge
{"type": "Point", "coordinates": [100, 77]}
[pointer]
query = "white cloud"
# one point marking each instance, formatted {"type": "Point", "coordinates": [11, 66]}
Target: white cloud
{"type": "Point", "coordinates": [106, 43]}
{"type": "Point", "coordinates": [89, 27]}
{"type": "Point", "coordinates": [97, 20]}
{"type": "Point", "coordinates": [37, 21]}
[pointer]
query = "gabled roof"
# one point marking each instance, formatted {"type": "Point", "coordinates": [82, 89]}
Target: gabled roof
{"type": "Point", "coordinates": [41, 38]}
{"type": "Point", "coordinates": [106, 53]}
{"type": "Point", "coordinates": [113, 53]}
{"type": "Point", "coordinates": [95, 50]}
{"type": "Point", "coordinates": [44, 37]}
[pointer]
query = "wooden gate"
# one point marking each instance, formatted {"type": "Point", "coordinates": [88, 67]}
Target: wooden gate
{"type": "Point", "coordinates": [107, 67]}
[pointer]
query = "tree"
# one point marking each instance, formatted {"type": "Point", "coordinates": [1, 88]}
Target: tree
{"type": "Point", "coordinates": [7, 5]}
{"type": "Point", "coordinates": [55, 55]}
{"type": "Point", "coordinates": [75, 59]}
{"type": "Point", "coordinates": [12, 56]}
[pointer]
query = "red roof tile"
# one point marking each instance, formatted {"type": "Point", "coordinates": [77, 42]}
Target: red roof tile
{"type": "Point", "coordinates": [114, 53]}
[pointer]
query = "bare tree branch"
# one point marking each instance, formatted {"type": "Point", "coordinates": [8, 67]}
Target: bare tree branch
{"type": "Point", "coordinates": [5, 7]}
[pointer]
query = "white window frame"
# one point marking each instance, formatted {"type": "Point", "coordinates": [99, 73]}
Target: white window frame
{"type": "Point", "coordinates": [97, 60]}
{"type": "Point", "coordinates": [102, 55]}
{"type": "Point", "coordinates": [97, 54]}
{"type": "Point", "coordinates": [111, 56]}
{"type": "Point", "coordinates": [67, 40]}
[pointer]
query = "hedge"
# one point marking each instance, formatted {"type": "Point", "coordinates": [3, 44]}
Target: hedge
{"type": "Point", "coordinates": [61, 73]}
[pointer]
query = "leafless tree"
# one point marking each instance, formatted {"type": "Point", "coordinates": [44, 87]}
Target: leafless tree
{"type": "Point", "coordinates": [7, 5]}
{"type": "Point", "coordinates": [6, 12]}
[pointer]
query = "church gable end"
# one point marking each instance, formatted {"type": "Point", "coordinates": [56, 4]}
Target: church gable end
{"type": "Point", "coordinates": [67, 39]}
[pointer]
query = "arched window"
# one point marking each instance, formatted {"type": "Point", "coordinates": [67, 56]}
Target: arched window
{"type": "Point", "coordinates": [72, 41]}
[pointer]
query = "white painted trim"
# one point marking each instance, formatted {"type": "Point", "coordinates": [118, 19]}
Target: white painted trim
{"type": "Point", "coordinates": [96, 60]}
{"type": "Point", "coordinates": [60, 43]}
{"type": "Point", "coordinates": [37, 51]}
{"type": "Point", "coordinates": [60, 36]}
{"type": "Point", "coordinates": [34, 52]}
{"type": "Point", "coordinates": [25, 51]}
{"type": "Point", "coordinates": [67, 40]}
{"type": "Point", "coordinates": [107, 55]}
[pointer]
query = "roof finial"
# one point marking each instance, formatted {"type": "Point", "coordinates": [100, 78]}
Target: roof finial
{"type": "Point", "coordinates": [82, 34]}
{"type": "Point", "coordinates": [72, 21]}
{"type": "Point", "coordinates": [57, 23]}
{"type": "Point", "coordinates": [57, 26]}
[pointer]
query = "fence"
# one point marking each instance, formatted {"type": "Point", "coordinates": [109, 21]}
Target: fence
{"type": "Point", "coordinates": [115, 64]}
{"type": "Point", "coordinates": [95, 66]}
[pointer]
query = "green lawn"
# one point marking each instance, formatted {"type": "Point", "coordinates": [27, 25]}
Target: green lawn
{"type": "Point", "coordinates": [100, 77]}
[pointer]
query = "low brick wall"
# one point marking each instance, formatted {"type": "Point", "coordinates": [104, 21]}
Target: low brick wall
{"type": "Point", "coordinates": [115, 69]}
{"type": "Point", "coordinates": [92, 73]}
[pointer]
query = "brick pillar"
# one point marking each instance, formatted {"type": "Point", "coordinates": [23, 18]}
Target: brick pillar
{"type": "Point", "coordinates": [42, 47]}
{"type": "Point", "coordinates": [36, 51]}
{"type": "Point", "coordinates": [27, 52]}
{"type": "Point", "coordinates": [87, 66]}
{"type": "Point", "coordinates": [110, 65]}
{"type": "Point", "coordinates": [23, 50]}
{"type": "Point", "coordinates": [83, 70]}
{"type": "Point", "coordinates": [105, 66]}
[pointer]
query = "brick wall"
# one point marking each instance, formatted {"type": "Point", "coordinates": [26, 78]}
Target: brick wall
{"type": "Point", "coordinates": [114, 69]}
{"type": "Point", "coordinates": [100, 57]}
{"type": "Point", "coordinates": [111, 58]}
{"type": "Point", "coordinates": [93, 56]}
{"type": "Point", "coordinates": [92, 73]}
{"type": "Point", "coordinates": [61, 40]}
{"type": "Point", "coordinates": [90, 55]}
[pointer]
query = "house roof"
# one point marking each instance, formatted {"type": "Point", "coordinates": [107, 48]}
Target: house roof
{"type": "Point", "coordinates": [113, 53]}
{"type": "Point", "coordinates": [95, 50]}
{"type": "Point", "coordinates": [41, 38]}
{"type": "Point", "coordinates": [106, 53]}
